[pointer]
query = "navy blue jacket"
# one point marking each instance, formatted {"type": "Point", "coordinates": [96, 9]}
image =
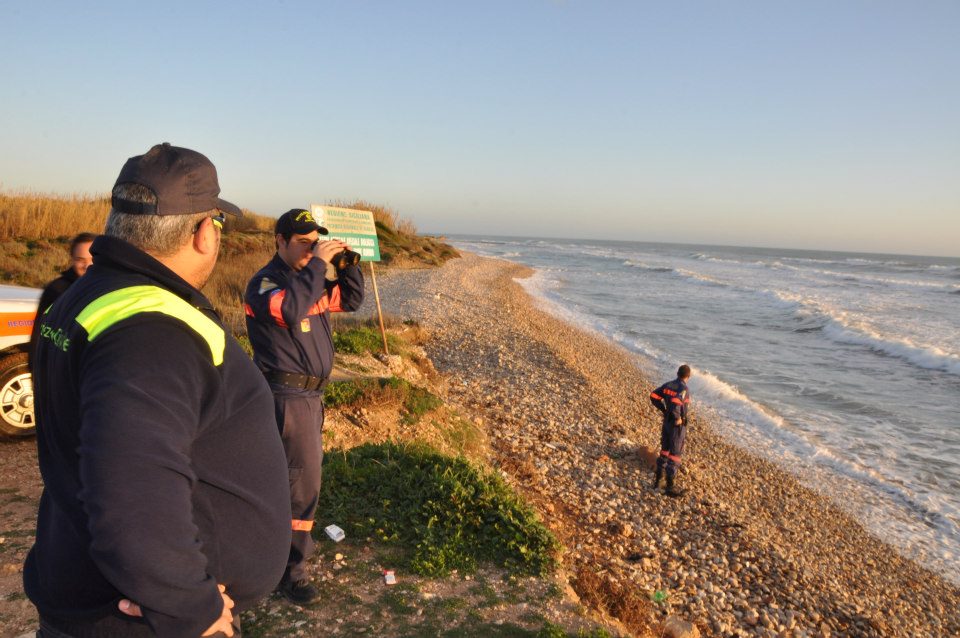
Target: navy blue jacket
{"type": "Point", "coordinates": [672, 399]}
{"type": "Point", "coordinates": [288, 315]}
{"type": "Point", "coordinates": [51, 293]}
{"type": "Point", "coordinates": [163, 470]}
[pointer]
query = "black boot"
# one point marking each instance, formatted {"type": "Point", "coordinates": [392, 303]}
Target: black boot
{"type": "Point", "coordinates": [672, 490]}
{"type": "Point", "coordinates": [657, 478]}
{"type": "Point", "coordinates": [301, 592]}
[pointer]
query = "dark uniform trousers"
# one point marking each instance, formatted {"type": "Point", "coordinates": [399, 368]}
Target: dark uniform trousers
{"type": "Point", "coordinates": [300, 419]}
{"type": "Point", "coordinates": [672, 439]}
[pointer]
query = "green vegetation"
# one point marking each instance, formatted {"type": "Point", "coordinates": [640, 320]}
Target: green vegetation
{"type": "Point", "coordinates": [341, 393]}
{"type": "Point", "coordinates": [363, 339]}
{"type": "Point", "coordinates": [415, 401]}
{"type": "Point", "coordinates": [452, 514]}
{"type": "Point", "coordinates": [427, 250]}
{"type": "Point", "coordinates": [551, 630]}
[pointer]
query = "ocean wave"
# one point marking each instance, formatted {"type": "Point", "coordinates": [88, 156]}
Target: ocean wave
{"type": "Point", "coordinates": [700, 277]}
{"type": "Point", "coordinates": [708, 388]}
{"type": "Point", "coordinates": [920, 355]}
{"type": "Point", "coordinates": [756, 263]}
{"type": "Point", "coordinates": [643, 266]}
{"type": "Point", "coordinates": [837, 327]}
{"type": "Point", "coordinates": [896, 265]}
{"type": "Point", "coordinates": [876, 279]}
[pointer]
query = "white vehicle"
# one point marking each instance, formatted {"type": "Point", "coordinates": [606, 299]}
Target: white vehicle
{"type": "Point", "coordinates": [18, 307]}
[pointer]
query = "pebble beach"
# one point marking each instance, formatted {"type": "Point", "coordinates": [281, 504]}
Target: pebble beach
{"type": "Point", "coordinates": [747, 551]}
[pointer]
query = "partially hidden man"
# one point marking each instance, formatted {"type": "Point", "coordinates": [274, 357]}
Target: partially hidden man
{"type": "Point", "coordinates": [80, 260]}
{"type": "Point", "coordinates": [288, 305]}
{"type": "Point", "coordinates": [672, 399]}
{"type": "Point", "coordinates": [165, 485]}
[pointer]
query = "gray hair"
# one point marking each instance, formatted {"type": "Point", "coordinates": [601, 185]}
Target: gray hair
{"type": "Point", "coordinates": [161, 235]}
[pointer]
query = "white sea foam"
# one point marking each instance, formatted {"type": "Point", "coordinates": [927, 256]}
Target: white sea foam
{"type": "Point", "coordinates": [842, 328]}
{"type": "Point", "coordinates": [644, 266]}
{"type": "Point", "coordinates": [544, 287]}
{"type": "Point", "coordinates": [920, 355]}
{"type": "Point", "coordinates": [700, 277]}
{"type": "Point", "coordinates": [889, 281]}
{"type": "Point", "coordinates": [708, 388]}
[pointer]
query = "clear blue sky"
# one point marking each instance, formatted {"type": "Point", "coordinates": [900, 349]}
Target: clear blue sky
{"type": "Point", "coordinates": [811, 124]}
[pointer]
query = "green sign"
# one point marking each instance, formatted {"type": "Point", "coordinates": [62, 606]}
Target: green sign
{"type": "Point", "coordinates": [355, 227]}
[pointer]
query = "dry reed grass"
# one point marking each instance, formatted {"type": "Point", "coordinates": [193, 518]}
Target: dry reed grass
{"type": "Point", "coordinates": [36, 229]}
{"type": "Point", "coordinates": [26, 215]}
{"type": "Point", "coordinates": [382, 214]}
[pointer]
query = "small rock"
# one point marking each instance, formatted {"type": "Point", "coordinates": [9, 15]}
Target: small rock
{"type": "Point", "coordinates": [674, 627]}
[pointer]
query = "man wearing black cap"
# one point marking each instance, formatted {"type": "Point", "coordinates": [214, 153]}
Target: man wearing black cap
{"type": "Point", "coordinates": [161, 463]}
{"type": "Point", "coordinates": [288, 304]}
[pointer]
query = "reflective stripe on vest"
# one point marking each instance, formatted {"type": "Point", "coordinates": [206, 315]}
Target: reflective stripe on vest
{"type": "Point", "coordinates": [114, 307]}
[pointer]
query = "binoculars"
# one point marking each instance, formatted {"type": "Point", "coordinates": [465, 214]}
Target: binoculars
{"type": "Point", "coordinates": [346, 258]}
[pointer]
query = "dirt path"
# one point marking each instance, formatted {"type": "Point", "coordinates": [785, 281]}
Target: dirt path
{"type": "Point", "coordinates": [20, 489]}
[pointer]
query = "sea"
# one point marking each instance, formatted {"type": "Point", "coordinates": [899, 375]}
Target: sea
{"type": "Point", "coordinates": [842, 368]}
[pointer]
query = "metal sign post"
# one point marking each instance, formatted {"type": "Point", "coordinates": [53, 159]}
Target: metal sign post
{"type": "Point", "coordinates": [356, 228]}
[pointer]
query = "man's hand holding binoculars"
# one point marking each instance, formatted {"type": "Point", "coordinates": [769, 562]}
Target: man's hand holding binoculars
{"type": "Point", "coordinates": [336, 253]}
{"type": "Point", "coordinates": [327, 249]}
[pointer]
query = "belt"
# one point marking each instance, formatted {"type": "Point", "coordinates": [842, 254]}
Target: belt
{"type": "Point", "coordinates": [296, 381]}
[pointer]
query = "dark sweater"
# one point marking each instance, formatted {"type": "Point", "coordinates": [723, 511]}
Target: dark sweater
{"type": "Point", "coordinates": [51, 292]}
{"type": "Point", "coordinates": [163, 469]}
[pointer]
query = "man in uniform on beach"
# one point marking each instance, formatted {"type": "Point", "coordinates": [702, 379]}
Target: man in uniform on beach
{"type": "Point", "coordinates": [163, 511]}
{"type": "Point", "coordinates": [288, 305]}
{"type": "Point", "coordinates": [672, 399]}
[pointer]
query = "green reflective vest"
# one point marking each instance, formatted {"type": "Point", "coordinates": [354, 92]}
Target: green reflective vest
{"type": "Point", "coordinates": [115, 306]}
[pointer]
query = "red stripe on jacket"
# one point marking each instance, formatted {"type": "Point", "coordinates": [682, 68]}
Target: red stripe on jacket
{"type": "Point", "coordinates": [276, 305]}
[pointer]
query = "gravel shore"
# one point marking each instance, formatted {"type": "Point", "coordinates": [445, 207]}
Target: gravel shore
{"type": "Point", "coordinates": [748, 551]}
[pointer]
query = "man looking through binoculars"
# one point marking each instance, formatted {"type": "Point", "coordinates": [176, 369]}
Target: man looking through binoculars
{"type": "Point", "coordinates": [288, 305]}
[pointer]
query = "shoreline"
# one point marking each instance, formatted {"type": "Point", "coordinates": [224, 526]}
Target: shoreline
{"type": "Point", "coordinates": [748, 550]}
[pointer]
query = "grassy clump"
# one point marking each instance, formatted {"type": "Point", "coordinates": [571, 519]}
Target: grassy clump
{"type": "Point", "coordinates": [362, 339]}
{"type": "Point", "coordinates": [450, 513]}
{"type": "Point", "coordinates": [341, 393]}
{"type": "Point", "coordinates": [416, 401]}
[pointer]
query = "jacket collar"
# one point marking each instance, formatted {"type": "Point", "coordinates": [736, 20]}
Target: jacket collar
{"type": "Point", "coordinates": [279, 264]}
{"type": "Point", "coordinates": [116, 253]}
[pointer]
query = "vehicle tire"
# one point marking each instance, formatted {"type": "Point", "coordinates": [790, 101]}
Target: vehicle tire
{"type": "Point", "coordinates": [16, 396]}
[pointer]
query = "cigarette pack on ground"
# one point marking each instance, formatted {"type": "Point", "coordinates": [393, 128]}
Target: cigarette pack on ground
{"type": "Point", "coordinates": [388, 577]}
{"type": "Point", "coordinates": [335, 533]}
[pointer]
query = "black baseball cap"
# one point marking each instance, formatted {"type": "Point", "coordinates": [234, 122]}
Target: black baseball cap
{"type": "Point", "coordinates": [298, 221]}
{"type": "Point", "coordinates": [184, 182]}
